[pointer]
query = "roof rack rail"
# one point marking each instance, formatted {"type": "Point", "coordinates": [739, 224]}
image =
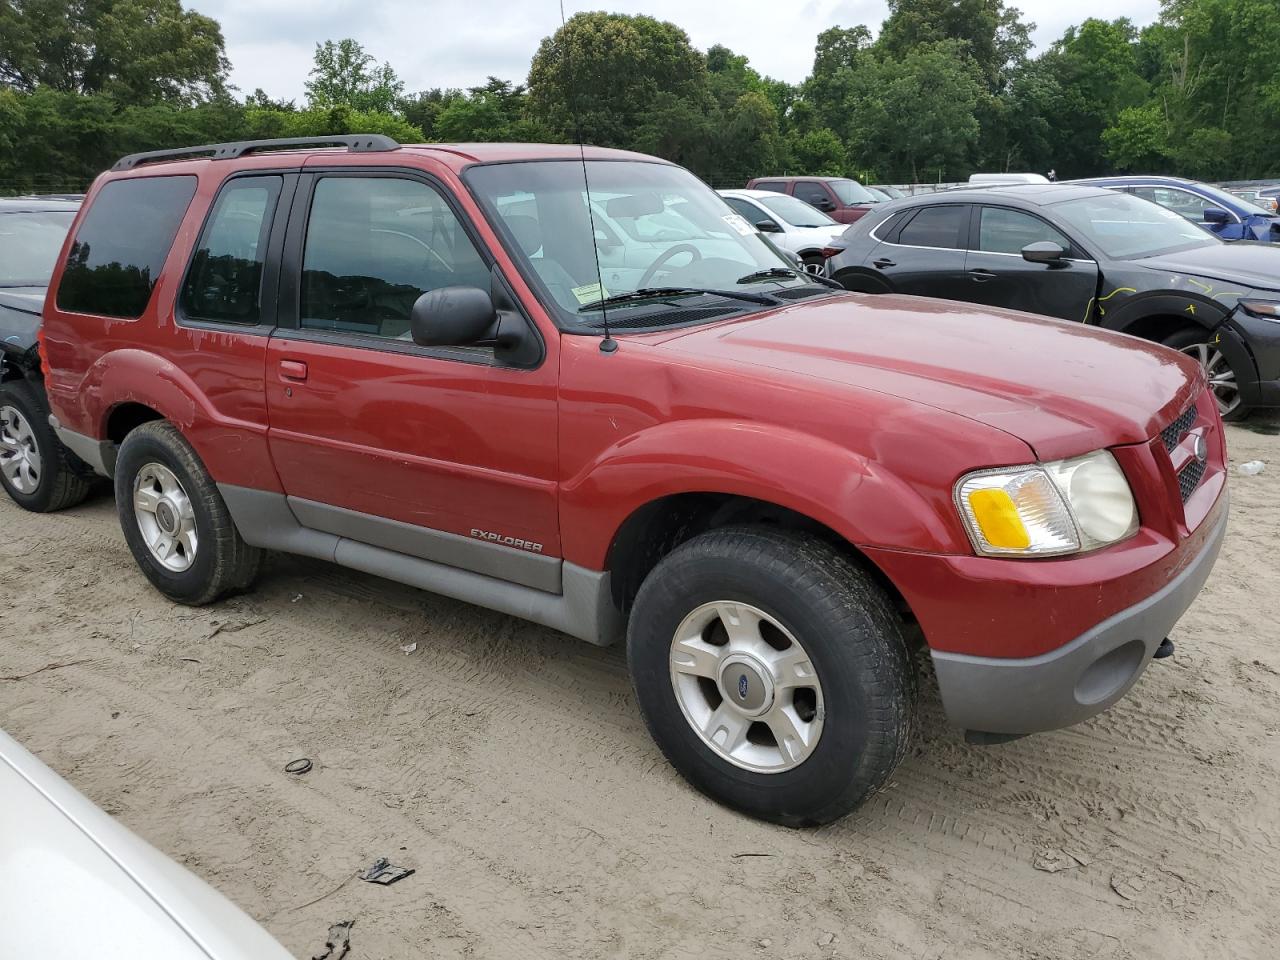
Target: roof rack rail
{"type": "Point", "coordinates": [355, 143]}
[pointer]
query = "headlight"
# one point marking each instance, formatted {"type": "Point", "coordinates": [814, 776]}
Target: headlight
{"type": "Point", "coordinates": [1047, 509]}
{"type": "Point", "coordinates": [1262, 309]}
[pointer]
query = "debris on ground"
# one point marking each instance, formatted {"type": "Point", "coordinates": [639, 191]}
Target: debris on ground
{"type": "Point", "coordinates": [300, 766]}
{"type": "Point", "coordinates": [408, 648]}
{"type": "Point", "coordinates": [1251, 469]}
{"type": "Point", "coordinates": [826, 939]}
{"type": "Point", "coordinates": [1129, 887]}
{"type": "Point", "coordinates": [338, 942]}
{"type": "Point", "coordinates": [47, 666]}
{"type": "Point", "coordinates": [385, 872]}
{"type": "Point", "coordinates": [1051, 860]}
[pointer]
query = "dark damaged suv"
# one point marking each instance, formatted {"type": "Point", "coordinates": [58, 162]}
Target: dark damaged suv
{"type": "Point", "coordinates": [35, 470]}
{"type": "Point", "coordinates": [576, 387]}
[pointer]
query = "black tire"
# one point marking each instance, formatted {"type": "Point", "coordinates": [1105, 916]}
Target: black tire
{"type": "Point", "coordinates": [813, 262]}
{"type": "Point", "coordinates": [849, 631]}
{"type": "Point", "coordinates": [1188, 338]}
{"type": "Point", "coordinates": [222, 561]}
{"type": "Point", "coordinates": [60, 482]}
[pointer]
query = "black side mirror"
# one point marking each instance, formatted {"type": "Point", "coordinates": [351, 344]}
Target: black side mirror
{"type": "Point", "coordinates": [825, 205]}
{"type": "Point", "coordinates": [1216, 215]}
{"type": "Point", "coordinates": [1043, 251]}
{"type": "Point", "coordinates": [453, 317]}
{"type": "Point", "coordinates": [767, 226]}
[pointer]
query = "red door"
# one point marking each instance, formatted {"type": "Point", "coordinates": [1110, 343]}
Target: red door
{"type": "Point", "coordinates": [443, 441]}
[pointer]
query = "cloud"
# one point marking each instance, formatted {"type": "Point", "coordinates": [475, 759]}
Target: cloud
{"type": "Point", "coordinates": [447, 43]}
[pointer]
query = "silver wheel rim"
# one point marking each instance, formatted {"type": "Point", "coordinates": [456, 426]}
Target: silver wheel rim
{"type": "Point", "coordinates": [165, 517]}
{"type": "Point", "coordinates": [20, 460]}
{"type": "Point", "coordinates": [747, 687]}
{"type": "Point", "coordinates": [1222, 379]}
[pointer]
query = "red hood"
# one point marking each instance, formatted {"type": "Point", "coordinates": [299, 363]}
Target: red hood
{"type": "Point", "coordinates": [1061, 387]}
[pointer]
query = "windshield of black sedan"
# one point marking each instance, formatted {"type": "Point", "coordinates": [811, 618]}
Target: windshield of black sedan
{"type": "Point", "coordinates": [30, 241]}
{"type": "Point", "coordinates": [1129, 228]}
{"type": "Point", "coordinates": [655, 226]}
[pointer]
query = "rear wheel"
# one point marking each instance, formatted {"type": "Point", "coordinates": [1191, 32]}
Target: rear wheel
{"type": "Point", "coordinates": [175, 521]}
{"type": "Point", "coordinates": [813, 263]}
{"type": "Point", "coordinates": [1224, 380]}
{"type": "Point", "coordinates": [36, 470]}
{"type": "Point", "coordinates": [773, 673]}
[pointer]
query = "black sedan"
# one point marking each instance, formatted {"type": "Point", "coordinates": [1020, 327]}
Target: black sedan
{"type": "Point", "coordinates": [1089, 255]}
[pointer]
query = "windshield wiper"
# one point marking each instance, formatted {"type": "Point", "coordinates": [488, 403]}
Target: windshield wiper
{"type": "Point", "coordinates": [785, 273]}
{"type": "Point", "coordinates": [658, 293]}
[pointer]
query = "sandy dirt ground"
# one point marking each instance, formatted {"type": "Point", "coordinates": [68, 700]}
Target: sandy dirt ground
{"type": "Point", "coordinates": [508, 765]}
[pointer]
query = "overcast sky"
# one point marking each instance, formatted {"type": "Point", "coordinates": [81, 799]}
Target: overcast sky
{"type": "Point", "coordinates": [457, 43]}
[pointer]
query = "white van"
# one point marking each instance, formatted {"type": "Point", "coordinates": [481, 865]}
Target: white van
{"type": "Point", "coordinates": [992, 179]}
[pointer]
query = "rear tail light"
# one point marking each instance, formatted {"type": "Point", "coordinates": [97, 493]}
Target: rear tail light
{"type": "Point", "coordinates": [42, 351]}
{"type": "Point", "coordinates": [829, 252]}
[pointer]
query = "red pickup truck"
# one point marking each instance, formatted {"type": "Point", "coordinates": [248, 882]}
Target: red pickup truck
{"type": "Point", "coordinates": [574, 386]}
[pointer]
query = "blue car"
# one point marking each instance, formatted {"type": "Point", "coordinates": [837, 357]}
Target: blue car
{"type": "Point", "coordinates": [1221, 213]}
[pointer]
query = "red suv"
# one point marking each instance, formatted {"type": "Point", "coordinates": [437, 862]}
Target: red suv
{"type": "Point", "coordinates": [577, 388]}
{"type": "Point", "coordinates": [844, 200]}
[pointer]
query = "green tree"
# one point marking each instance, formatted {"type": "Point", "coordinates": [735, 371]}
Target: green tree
{"type": "Point", "coordinates": [819, 153]}
{"type": "Point", "coordinates": [345, 75]}
{"type": "Point", "coordinates": [995, 36]}
{"type": "Point", "coordinates": [605, 76]}
{"type": "Point", "coordinates": [1138, 140]}
{"type": "Point", "coordinates": [139, 51]}
{"type": "Point", "coordinates": [1096, 68]}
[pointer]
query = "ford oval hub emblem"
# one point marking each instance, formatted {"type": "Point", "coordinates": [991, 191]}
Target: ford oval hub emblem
{"type": "Point", "coordinates": [742, 687]}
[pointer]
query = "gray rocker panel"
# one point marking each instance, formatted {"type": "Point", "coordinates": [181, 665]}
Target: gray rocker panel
{"type": "Point", "coordinates": [582, 607]}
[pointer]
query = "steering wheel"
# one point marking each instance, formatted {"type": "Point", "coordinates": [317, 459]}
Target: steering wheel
{"type": "Point", "coordinates": [666, 255]}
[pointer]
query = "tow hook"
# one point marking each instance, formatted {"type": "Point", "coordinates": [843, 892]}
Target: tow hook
{"type": "Point", "coordinates": [1164, 650]}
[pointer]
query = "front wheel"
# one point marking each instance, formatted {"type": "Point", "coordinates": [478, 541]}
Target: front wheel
{"type": "Point", "coordinates": [773, 673]}
{"type": "Point", "coordinates": [1224, 380]}
{"type": "Point", "coordinates": [175, 521]}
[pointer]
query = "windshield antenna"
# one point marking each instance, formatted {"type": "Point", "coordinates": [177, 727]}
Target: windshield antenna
{"type": "Point", "coordinates": [608, 344]}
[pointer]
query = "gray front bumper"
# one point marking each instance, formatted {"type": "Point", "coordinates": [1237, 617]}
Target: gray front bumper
{"type": "Point", "coordinates": [1079, 679]}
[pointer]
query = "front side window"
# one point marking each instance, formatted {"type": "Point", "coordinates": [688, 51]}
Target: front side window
{"type": "Point", "coordinates": [1001, 230]}
{"type": "Point", "coordinates": [121, 245]}
{"type": "Point", "coordinates": [942, 226]}
{"type": "Point", "coordinates": [748, 210]}
{"type": "Point", "coordinates": [1182, 202]}
{"type": "Point", "coordinates": [813, 193]}
{"type": "Point", "coordinates": [29, 245]}
{"type": "Point", "coordinates": [657, 229]}
{"type": "Point", "coordinates": [374, 245]}
{"type": "Point", "coordinates": [224, 283]}
{"type": "Point", "coordinates": [1129, 228]}
{"type": "Point", "coordinates": [773, 186]}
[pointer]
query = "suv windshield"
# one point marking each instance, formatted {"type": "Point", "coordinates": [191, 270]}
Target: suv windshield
{"type": "Point", "coordinates": [795, 212]}
{"type": "Point", "coordinates": [29, 244]}
{"type": "Point", "coordinates": [655, 226]}
{"type": "Point", "coordinates": [851, 192]}
{"type": "Point", "coordinates": [1129, 228]}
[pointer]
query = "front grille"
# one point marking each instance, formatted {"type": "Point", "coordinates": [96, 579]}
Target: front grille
{"type": "Point", "coordinates": [1172, 434]}
{"type": "Point", "coordinates": [1190, 478]}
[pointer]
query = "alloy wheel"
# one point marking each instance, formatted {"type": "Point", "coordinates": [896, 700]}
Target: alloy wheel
{"type": "Point", "coordinates": [747, 687]}
{"type": "Point", "coordinates": [165, 517]}
{"type": "Point", "coordinates": [1222, 379]}
{"type": "Point", "coordinates": [20, 459]}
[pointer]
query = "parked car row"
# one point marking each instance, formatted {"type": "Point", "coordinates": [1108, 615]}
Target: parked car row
{"type": "Point", "coordinates": [1086, 254]}
{"type": "Point", "coordinates": [579, 387]}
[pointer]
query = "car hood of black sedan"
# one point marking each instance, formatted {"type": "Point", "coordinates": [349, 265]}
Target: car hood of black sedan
{"type": "Point", "coordinates": [1245, 264]}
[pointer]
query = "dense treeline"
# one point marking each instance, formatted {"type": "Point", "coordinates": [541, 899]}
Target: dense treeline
{"type": "Point", "coordinates": [945, 88]}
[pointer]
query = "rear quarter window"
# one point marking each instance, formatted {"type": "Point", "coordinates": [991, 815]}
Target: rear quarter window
{"type": "Point", "coordinates": [121, 245]}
